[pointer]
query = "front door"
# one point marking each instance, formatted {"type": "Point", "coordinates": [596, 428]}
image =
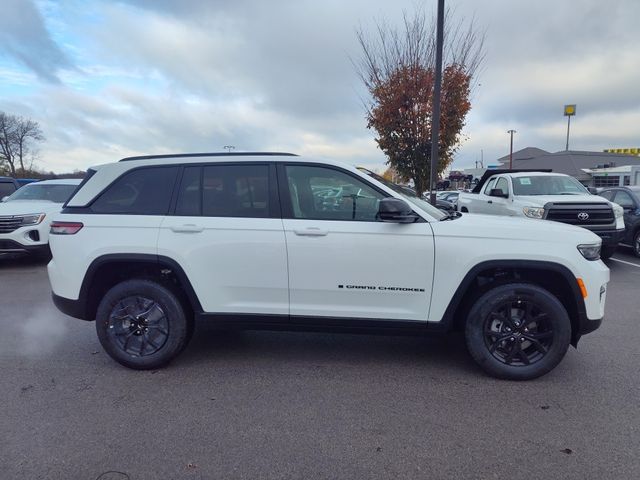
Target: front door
{"type": "Point", "coordinates": [342, 261]}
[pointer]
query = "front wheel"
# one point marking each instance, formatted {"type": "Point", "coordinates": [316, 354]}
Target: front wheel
{"type": "Point", "coordinates": [518, 331]}
{"type": "Point", "coordinates": [636, 244]}
{"type": "Point", "coordinates": [607, 252]}
{"type": "Point", "coordinates": [142, 325]}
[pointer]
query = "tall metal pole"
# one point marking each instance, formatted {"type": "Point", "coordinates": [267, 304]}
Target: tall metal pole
{"type": "Point", "coordinates": [568, 126]}
{"type": "Point", "coordinates": [435, 117]}
{"type": "Point", "coordinates": [511, 150]}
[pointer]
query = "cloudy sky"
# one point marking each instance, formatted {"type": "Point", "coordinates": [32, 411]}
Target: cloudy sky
{"type": "Point", "coordinates": [107, 79]}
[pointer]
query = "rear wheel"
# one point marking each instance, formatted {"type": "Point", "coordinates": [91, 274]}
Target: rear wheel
{"type": "Point", "coordinates": [518, 331]}
{"type": "Point", "coordinates": [142, 325]}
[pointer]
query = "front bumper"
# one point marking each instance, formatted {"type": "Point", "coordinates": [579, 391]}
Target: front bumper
{"type": "Point", "coordinates": [610, 238]}
{"type": "Point", "coordinates": [11, 246]}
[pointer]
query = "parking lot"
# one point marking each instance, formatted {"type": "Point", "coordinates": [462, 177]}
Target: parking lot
{"type": "Point", "coordinates": [293, 405]}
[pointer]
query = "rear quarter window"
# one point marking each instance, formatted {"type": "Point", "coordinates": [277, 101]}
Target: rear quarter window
{"type": "Point", "coordinates": [145, 191]}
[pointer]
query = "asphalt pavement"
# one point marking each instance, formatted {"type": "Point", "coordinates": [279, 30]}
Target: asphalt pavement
{"type": "Point", "coordinates": [263, 405]}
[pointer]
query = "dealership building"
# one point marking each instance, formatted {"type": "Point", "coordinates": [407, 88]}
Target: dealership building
{"type": "Point", "coordinates": [592, 169]}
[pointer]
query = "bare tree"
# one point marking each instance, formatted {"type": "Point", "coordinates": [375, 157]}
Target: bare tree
{"type": "Point", "coordinates": [397, 68]}
{"type": "Point", "coordinates": [17, 138]}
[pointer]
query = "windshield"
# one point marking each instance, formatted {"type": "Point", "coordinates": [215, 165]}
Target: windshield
{"type": "Point", "coordinates": [548, 185]}
{"type": "Point", "coordinates": [408, 194]}
{"type": "Point", "coordinates": [51, 193]}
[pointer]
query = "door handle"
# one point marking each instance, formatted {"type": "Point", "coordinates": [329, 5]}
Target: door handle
{"type": "Point", "coordinates": [187, 228]}
{"type": "Point", "coordinates": [311, 232]}
{"type": "Point", "coordinates": [489, 201]}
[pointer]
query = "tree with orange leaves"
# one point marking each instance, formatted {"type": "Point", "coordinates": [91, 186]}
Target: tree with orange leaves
{"type": "Point", "coordinates": [397, 69]}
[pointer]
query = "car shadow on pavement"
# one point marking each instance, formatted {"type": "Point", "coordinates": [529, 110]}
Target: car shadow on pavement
{"type": "Point", "coordinates": [440, 353]}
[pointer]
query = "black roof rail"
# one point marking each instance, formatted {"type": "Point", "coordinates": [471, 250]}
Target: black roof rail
{"type": "Point", "coordinates": [214, 154]}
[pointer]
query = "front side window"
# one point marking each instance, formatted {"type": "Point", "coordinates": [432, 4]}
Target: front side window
{"type": "Point", "coordinates": [502, 185]}
{"type": "Point", "coordinates": [608, 194]}
{"type": "Point", "coordinates": [224, 191]}
{"type": "Point", "coordinates": [145, 191]}
{"type": "Point", "coordinates": [489, 186]}
{"type": "Point", "coordinates": [321, 193]}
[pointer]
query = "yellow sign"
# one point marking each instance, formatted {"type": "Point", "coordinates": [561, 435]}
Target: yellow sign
{"type": "Point", "coordinates": [624, 151]}
{"type": "Point", "coordinates": [569, 110]}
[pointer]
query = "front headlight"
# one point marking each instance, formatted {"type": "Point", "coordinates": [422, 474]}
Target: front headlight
{"type": "Point", "coordinates": [533, 212]}
{"type": "Point", "coordinates": [618, 211]}
{"type": "Point", "coordinates": [33, 219]}
{"type": "Point", "coordinates": [591, 251]}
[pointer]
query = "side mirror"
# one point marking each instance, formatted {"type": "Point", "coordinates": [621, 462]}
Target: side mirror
{"type": "Point", "coordinates": [592, 190]}
{"type": "Point", "coordinates": [395, 210]}
{"type": "Point", "coordinates": [4, 199]}
{"type": "Point", "coordinates": [497, 192]}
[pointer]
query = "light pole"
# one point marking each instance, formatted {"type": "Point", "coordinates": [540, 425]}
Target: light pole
{"type": "Point", "coordinates": [435, 123]}
{"type": "Point", "coordinates": [569, 111]}
{"type": "Point", "coordinates": [511, 132]}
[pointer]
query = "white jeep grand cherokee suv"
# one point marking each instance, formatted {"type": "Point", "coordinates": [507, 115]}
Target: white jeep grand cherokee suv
{"type": "Point", "coordinates": [148, 245]}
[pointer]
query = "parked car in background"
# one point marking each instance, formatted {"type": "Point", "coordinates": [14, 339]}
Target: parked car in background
{"type": "Point", "coordinates": [629, 199]}
{"type": "Point", "coordinates": [25, 215]}
{"type": "Point", "coordinates": [24, 181]}
{"type": "Point", "coordinates": [443, 205]}
{"type": "Point", "coordinates": [8, 185]}
{"type": "Point", "coordinates": [544, 195]}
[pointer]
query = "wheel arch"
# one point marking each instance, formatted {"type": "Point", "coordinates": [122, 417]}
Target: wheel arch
{"type": "Point", "coordinates": [554, 277]}
{"type": "Point", "coordinates": [106, 271]}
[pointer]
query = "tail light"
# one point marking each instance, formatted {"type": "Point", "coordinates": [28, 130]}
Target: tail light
{"type": "Point", "coordinates": [65, 228]}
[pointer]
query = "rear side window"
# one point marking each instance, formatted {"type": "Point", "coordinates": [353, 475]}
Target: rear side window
{"type": "Point", "coordinates": [146, 191]}
{"type": "Point", "coordinates": [225, 191]}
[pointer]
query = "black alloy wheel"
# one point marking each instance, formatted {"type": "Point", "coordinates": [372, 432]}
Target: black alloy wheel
{"type": "Point", "coordinates": [142, 324]}
{"type": "Point", "coordinates": [517, 331]}
{"type": "Point", "coordinates": [138, 325]}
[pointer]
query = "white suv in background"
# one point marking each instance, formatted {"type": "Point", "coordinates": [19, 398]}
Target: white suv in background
{"type": "Point", "coordinates": [149, 244]}
{"type": "Point", "coordinates": [25, 215]}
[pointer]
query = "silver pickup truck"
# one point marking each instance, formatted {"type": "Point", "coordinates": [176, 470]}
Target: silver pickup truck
{"type": "Point", "coordinates": [544, 195]}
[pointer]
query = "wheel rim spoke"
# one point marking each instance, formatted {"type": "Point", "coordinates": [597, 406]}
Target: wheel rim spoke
{"type": "Point", "coordinates": [140, 318]}
{"type": "Point", "coordinates": [518, 332]}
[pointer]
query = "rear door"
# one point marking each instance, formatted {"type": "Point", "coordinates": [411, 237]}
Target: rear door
{"type": "Point", "coordinates": [227, 234]}
{"type": "Point", "coordinates": [343, 262]}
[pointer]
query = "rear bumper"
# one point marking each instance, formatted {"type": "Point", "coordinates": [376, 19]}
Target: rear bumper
{"type": "Point", "coordinates": [73, 308]}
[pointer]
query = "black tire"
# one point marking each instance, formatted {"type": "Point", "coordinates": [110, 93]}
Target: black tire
{"type": "Point", "coordinates": [142, 325]}
{"type": "Point", "coordinates": [607, 252]}
{"type": "Point", "coordinates": [636, 244]}
{"type": "Point", "coordinates": [535, 315]}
